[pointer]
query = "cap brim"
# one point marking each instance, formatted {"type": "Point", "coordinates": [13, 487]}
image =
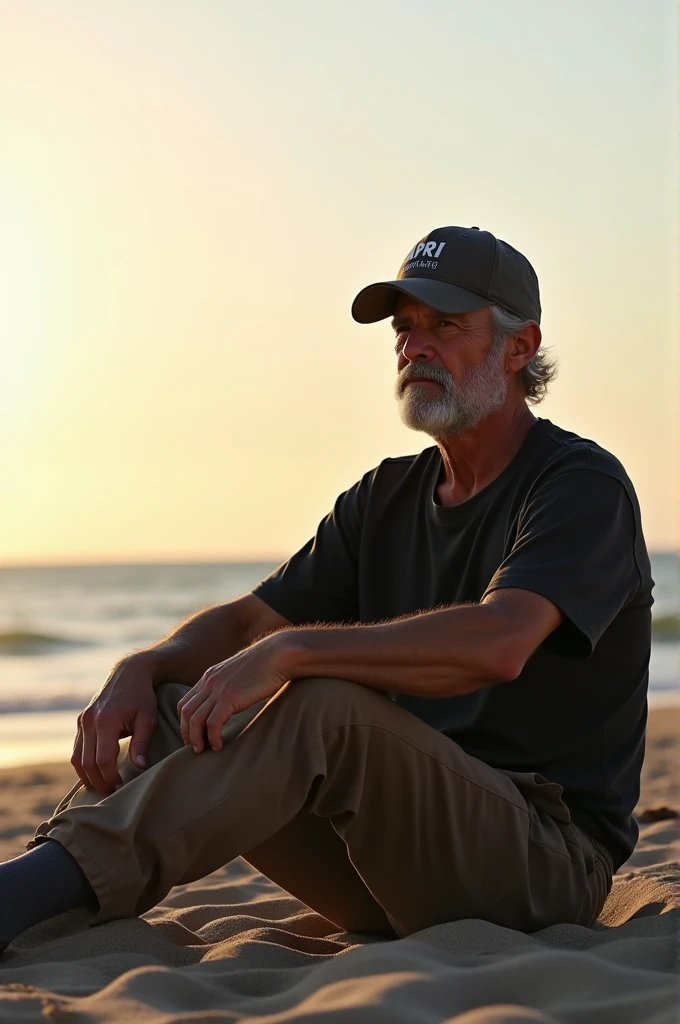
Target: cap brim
{"type": "Point", "coordinates": [377, 301]}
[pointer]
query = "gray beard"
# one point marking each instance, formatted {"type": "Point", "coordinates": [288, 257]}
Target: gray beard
{"type": "Point", "coordinates": [456, 408]}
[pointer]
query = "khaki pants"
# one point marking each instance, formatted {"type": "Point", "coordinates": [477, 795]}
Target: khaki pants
{"type": "Point", "coordinates": [352, 804]}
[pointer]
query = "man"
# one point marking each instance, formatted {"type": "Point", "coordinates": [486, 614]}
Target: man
{"type": "Point", "coordinates": [436, 708]}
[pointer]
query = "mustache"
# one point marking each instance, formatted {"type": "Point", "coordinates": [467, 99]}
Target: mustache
{"type": "Point", "coordinates": [423, 371]}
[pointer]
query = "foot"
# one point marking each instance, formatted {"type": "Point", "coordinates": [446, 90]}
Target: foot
{"type": "Point", "coordinates": [37, 885]}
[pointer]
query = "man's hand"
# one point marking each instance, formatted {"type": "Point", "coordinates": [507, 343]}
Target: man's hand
{"type": "Point", "coordinates": [253, 675]}
{"type": "Point", "coordinates": [125, 706]}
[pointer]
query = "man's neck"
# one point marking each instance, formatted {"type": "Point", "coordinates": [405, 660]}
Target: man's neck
{"type": "Point", "coordinates": [471, 461]}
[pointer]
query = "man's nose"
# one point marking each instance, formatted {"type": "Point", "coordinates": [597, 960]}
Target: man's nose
{"type": "Point", "coordinates": [418, 345]}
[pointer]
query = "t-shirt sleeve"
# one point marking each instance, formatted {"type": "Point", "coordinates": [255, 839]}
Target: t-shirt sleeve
{"type": "Point", "coordinates": [575, 545]}
{"type": "Point", "coordinates": [319, 583]}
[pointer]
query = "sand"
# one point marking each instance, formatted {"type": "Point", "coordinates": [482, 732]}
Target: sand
{"type": "Point", "coordinates": [233, 946]}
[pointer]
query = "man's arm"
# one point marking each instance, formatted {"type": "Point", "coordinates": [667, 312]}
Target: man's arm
{"type": "Point", "coordinates": [210, 636]}
{"type": "Point", "coordinates": [574, 564]}
{"type": "Point", "coordinates": [440, 653]}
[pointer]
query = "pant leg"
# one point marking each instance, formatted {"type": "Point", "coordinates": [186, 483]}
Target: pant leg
{"type": "Point", "coordinates": [308, 859]}
{"type": "Point", "coordinates": [166, 738]}
{"type": "Point", "coordinates": [433, 834]}
{"type": "Point", "coordinates": [336, 892]}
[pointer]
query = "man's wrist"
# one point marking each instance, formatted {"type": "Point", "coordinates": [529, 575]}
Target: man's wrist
{"type": "Point", "coordinates": [158, 661]}
{"type": "Point", "coordinates": [291, 650]}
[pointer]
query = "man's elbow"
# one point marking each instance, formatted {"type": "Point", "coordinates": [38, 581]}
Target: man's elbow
{"type": "Point", "coordinates": [507, 667]}
{"type": "Point", "coordinates": [504, 659]}
{"type": "Point", "coordinates": [509, 644]}
{"type": "Point", "coordinates": [518, 623]}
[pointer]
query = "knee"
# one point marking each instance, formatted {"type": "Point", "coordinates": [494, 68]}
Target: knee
{"type": "Point", "coordinates": [334, 697]}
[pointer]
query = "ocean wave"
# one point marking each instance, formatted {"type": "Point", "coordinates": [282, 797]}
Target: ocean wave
{"type": "Point", "coordinates": [18, 642]}
{"type": "Point", "coordinates": [24, 706]}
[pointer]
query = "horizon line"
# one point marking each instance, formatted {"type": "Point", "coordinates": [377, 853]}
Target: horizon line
{"type": "Point", "coordinates": [104, 563]}
{"type": "Point", "coordinates": [129, 562]}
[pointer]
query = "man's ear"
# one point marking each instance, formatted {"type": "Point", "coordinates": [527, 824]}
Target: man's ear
{"type": "Point", "coordinates": [523, 347]}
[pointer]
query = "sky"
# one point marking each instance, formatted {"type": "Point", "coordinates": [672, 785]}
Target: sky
{"type": "Point", "coordinates": [191, 194]}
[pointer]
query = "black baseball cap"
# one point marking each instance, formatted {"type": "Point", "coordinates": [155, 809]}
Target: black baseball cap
{"type": "Point", "coordinates": [456, 270]}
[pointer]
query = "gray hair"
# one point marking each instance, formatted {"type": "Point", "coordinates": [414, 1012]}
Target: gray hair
{"type": "Point", "coordinates": [542, 369]}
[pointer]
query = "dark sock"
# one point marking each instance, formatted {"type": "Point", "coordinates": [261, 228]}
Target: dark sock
{"type": "Point", "coordinates": [39, 884]}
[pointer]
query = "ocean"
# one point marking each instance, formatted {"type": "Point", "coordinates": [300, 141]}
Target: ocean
{"type": "Point", "coordinates": [63, 628]}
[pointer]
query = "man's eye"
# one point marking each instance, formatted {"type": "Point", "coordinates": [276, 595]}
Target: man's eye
{"type": "Point", "coordinates": [446, 323]}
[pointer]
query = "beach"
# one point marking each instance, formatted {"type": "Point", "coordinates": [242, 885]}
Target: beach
{"type": "Point", "coordinates": [233, 946]}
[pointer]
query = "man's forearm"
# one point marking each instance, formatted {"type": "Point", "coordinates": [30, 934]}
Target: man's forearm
{"type": "Point", "coordinates": [439, 653]}
{"type": "Point", "coordinates": [203, 640]}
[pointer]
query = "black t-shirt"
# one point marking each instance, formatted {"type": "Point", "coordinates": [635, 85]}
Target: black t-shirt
{"type": "Point", "coordinates": [561, 520]}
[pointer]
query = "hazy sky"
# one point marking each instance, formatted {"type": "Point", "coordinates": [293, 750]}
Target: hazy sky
{"type": "Point", "coordinates": [191, 194]}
